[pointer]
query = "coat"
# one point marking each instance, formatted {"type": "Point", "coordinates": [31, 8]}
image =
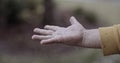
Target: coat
{"type": "Point", "coordinates": [110, 39]}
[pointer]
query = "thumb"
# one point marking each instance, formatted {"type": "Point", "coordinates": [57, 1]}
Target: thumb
{"type": "Point", "coordinates": [73, 20]}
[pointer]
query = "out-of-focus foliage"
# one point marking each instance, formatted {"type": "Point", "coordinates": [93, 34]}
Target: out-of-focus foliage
{"type": "Point", "coordinates": [9, 12]}
{"type": "Point", "coordinates": [79, 12]}
{"type": "Point", "coordinates": [33, 11]}
{"type": "Point", "coordinates": [14, 12]}
{"type": "Point", "coordinates": [89, 16]}
{"type": "Point", "coordinates": [17, 19]}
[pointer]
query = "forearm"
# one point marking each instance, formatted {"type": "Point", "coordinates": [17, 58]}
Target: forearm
{"type": "Point", "coordinates": [91, 39]}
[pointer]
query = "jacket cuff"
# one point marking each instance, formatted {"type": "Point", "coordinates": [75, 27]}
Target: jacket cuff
{"type": "Point", "coordinates": [109, 40]}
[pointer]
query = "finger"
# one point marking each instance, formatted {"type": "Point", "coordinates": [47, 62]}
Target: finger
{"type": "Point", "coordinates": [73, 20]}
{"type": "Point", "coordinates": [51, 27]}
{"type": "Point", "coordinates": [50, 41]}
{"type": "Point", "coordinates": [42, 31]}
{"type": "Point", "coordinates": [39, 37]}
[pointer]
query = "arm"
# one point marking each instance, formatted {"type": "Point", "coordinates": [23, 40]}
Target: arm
{"type": "Point", "coordinates": [107, 38]}
{"type": "Point", "coordinates": [91, 39]}
{"type": "Point", "coordinates": [75, 35]}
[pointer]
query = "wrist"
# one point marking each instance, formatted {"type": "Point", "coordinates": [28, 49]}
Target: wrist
{"type": "Point", "coordinates": [91, 39]}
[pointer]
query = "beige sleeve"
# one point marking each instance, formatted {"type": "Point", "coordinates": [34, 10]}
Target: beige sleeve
{"type": "Point", "coordinates": [110, 39]}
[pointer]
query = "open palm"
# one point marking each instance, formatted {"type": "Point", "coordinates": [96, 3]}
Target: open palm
{"type": "Point", "coordinates": [71, 35]}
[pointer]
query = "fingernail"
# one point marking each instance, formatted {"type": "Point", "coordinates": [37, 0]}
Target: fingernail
{"type": "Point", "coordinates": [33, 37]}
{"type": "Point", "coordinates": [35, 29]}
{"type": "Point", "coordinates": [42, 43]}
{"type": "Point", "coordinates": [72, 17]}
{"type": "Point", "coordinates": [46, 26]}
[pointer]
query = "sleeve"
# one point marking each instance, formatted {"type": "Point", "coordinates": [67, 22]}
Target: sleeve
{"type": "Point", "coordinates": [110, 39]}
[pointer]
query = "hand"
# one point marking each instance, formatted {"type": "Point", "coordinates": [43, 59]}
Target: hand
{"type": "Point", "coordinates": [72, 35]}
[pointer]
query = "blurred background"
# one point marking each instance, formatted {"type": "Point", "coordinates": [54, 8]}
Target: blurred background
{"type": "Point", "coordinates": [18, 18]}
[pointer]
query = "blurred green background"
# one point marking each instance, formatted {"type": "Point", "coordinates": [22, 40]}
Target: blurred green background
{"type": "Point", "coordinates": [18, 18]}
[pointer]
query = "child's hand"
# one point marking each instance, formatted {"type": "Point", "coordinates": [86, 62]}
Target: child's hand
{"type": "Point", "coordinates": [72, 35]}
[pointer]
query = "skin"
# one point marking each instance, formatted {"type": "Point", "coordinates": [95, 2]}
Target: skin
{"type": "Point", "coordinates": [74, 35]}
